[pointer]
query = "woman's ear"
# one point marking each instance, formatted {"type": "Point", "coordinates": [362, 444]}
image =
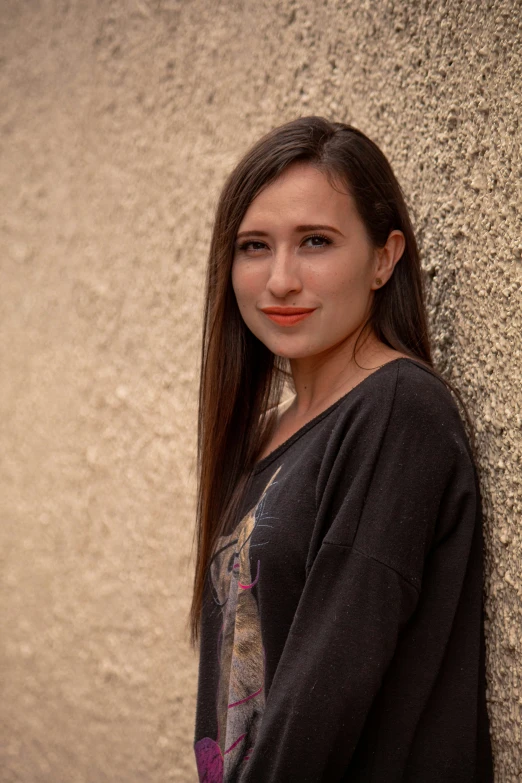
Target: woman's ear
{"type": "Point", "coordinates": [387, 257]}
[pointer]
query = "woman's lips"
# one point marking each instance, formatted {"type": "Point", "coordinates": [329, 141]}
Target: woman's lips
{"type": "Point", "coordinates": [287, 316]}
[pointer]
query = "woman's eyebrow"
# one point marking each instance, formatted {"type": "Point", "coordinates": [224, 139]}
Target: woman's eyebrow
{"type": "Point", "coordinates": [298, 230]}
{"type": "Point", "coordinates": [251, 234]}
{"type": "Point", "coordinates": [318, 227]}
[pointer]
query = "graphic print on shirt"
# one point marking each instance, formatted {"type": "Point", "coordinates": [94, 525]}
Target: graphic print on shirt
{"type": "Point", "coordinates": [241, 696]}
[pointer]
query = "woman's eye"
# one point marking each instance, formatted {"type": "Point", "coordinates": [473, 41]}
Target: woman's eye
{"type": "Point", "coordinates": [251, 245]}
{"type": "Point", "coordinates": [317, 241]}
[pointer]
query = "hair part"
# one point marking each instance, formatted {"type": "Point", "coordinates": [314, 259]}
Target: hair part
{"type": "Point", "coordinates": [241, 380]}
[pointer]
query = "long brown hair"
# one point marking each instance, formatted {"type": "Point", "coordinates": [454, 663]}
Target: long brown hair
{"type": "Point", "coordinates": [241, 380]}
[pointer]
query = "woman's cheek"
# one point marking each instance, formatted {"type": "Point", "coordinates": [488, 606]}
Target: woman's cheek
{"type": "Point", "coordinates": [246, 298]}
{"type": "Point", "coordinates": [246, 283]}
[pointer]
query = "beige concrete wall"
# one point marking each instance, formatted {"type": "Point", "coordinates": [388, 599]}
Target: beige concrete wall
{"type": "Point", "coordinates": [119, 120]}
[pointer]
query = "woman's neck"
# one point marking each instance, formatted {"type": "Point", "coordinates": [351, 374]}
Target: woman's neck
{"type": "Point", "coordinates": [320, 380]}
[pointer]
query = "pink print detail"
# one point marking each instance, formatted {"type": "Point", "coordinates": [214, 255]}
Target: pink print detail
{"type": "Point", "coordinates": [235, 743]}
{"type": "Point", "coordinates": [247, 587]}
{"type": "Point", "coordinates": [247, 698]}
{"type": "Point", "coordinates": [209, 761]}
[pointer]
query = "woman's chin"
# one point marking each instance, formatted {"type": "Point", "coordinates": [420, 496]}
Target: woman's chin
{"type": "Point", "coordinates": [292, 352]}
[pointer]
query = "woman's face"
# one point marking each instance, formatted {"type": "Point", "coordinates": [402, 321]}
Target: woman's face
{"type": "Point", "coordinates": [304, 268]}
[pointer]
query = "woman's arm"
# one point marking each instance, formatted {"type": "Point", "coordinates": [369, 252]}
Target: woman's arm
{"type": "Point", "coordinates": [342, 639]}
{"type": "Point", "coordinates": [361, 591]}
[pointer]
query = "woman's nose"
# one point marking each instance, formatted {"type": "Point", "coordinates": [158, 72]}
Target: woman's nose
{"type": "Point", "coordinates": [284, 276]}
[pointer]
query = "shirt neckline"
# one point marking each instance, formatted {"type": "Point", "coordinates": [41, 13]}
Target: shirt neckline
{"type": "Point", "coordinates": [263, 463]}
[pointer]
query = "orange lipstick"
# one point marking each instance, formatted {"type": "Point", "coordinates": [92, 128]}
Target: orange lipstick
{"type": "Point", "coordinates": [287, 316]}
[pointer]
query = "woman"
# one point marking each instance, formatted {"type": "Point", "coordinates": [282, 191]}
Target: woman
{"type": "Point", "coordinates": [338, 588]}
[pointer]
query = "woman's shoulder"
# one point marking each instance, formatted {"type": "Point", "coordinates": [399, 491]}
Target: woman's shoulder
{"type": "Point", "coordinates": [420, 379]}
{"type": "Point", "coordinates": [410, 395]}
{"type": "Point", "coordinates": [421, 390]}
{"type": "Point", "coordinates": [405, 385]}
{"type": "Point", "coordinates": [423, 404]}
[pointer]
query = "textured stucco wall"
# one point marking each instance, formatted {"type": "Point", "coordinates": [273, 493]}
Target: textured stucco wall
{"type": "Point", "coordinates": [119, 121]}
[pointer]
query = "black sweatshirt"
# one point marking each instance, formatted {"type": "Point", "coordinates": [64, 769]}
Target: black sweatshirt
{"type": "Point", "coordinates": [342, 629]}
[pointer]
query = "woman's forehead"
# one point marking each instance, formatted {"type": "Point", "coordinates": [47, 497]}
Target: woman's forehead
{"type": "Point", "coordinates": [301, 191]}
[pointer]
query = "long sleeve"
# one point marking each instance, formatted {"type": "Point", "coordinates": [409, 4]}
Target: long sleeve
{"type": "Point", "coordinates": [339, 647]}
{"type": "Point", "coordinates": [386, 578]}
